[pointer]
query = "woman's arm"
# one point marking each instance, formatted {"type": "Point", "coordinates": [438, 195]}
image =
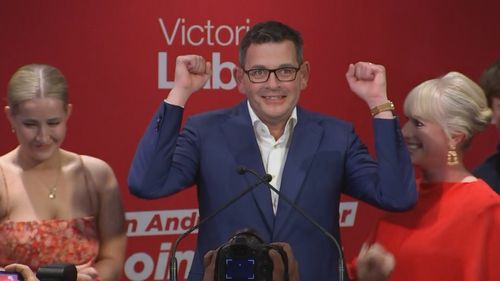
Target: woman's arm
{"type": "Point", "coordinates": [110, 221]}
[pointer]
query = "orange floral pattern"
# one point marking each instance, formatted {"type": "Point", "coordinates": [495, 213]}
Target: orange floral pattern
{"type": "Point", "coordinates": [36, 243]}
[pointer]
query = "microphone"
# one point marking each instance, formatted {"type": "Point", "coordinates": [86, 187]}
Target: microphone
{"type": "Point", "coordinates": [243, 170]}
{"type": "Point", "coordinates": [57, 272]}
{"type": "Point", "coordinates": [173, 261]}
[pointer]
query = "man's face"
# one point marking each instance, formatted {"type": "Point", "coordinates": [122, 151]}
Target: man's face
{"type": "Point", "coordinates": [495, 107]}
{"type": "Point", "coordinates": [273, 101]}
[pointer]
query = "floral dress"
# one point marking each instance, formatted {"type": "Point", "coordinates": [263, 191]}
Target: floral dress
{"type": "Point", "coordinates": [37, 243]}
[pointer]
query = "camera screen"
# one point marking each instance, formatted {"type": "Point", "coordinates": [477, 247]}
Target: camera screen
{"type": "Point", "coordinates": [240, 269]}
{"type": "Point", "coordinates": [10, 276]}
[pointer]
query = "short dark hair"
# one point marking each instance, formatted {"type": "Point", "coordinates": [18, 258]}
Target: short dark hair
{"type": "Point", "coordinates": [490, 81]}
{"type": "Point", "coordinates": [271, 32]}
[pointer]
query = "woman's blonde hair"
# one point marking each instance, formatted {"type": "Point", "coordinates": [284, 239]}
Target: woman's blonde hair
{"type": "Point", "coordinates": [453, 101]}
{"type": "Point", "coordinates": [36, 81]}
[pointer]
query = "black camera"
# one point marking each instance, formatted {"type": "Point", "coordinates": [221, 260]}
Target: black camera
{"type": "Point", "coordinates": [10, 276]}
{"type": "Point", "coordinates": [245, 257]}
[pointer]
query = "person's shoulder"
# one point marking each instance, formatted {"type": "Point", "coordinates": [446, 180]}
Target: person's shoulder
{"type": "Point", "coordinates": [488, 164]}
{"type": "Point", "coordinates": [99, 170]}
{"type": "Point", "coordinates": [486, 202]}
{"type": "Point", "coordinates": [479, 193]}
{"type": "Point", "coordinates": [219, 114]}
{"type": "Point", "coordinates": [94, 163]}
{"type": "Point", "coordinates": [322, 119]}
{"type": "Point", "coordinates": [7, 159]}
{"type": "Point", "coordinates": [488, 171]}
{"type": "Point", "coordinates": [239, 107]}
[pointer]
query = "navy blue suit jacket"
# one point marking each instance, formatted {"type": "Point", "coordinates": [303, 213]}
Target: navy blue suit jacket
{"type": "Point", "coordinates": [325, 158]}
{"type": "Point", "coordinates": [489, 170]}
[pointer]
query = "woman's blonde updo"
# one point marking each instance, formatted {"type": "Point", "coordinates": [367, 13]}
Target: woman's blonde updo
{"type": "Point", "coordinates": [454, 101]}
{"type": "Point", "coordinates": [36, 81]}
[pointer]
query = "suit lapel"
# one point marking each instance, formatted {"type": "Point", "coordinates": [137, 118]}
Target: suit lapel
{"type": "Point", "coordinates": [305, 141]}
{"type": "Point", "coordinates": [240, 137]}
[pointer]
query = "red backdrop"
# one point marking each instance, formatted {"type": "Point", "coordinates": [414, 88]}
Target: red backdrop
{"type": "Point", "coordinates": [118, 58]}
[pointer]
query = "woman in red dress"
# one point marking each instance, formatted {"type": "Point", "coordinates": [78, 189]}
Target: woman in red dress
{"type": "Point", "coordinates": [55, 205]}
{"type": "Point", "coordinates": [453, 232]}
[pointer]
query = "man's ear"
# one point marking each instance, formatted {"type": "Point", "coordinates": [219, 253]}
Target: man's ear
{"type": "Point", "coordinates": [239, 75]}
{"type": "Point", "coordinates": [304, 74]}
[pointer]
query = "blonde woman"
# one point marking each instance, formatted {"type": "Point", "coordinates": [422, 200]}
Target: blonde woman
{"type": "Point", "coordinates": [453, 233]}
{"type": "Point", "coordinates": [55, 205]}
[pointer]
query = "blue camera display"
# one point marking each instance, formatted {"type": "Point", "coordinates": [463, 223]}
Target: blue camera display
{"type": "Point", "coordinates": [240, 269]}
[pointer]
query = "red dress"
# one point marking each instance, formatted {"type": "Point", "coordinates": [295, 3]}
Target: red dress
{"type": "Point", "coordinates": [453, 233]}
{"type": "Point", "coordinates": [37, 243]}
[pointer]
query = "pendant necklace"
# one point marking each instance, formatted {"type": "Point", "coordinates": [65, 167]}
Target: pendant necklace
{"type": "Point", "coordinates": [53, 188]}
{"type": "Point", "coordinates": [52, 192]}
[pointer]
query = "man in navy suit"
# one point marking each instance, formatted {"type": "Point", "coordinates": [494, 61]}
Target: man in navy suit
{"type": "Point", "coordinates": [312, 158]}
{"type": "Point", "coordinates": [489, 169]}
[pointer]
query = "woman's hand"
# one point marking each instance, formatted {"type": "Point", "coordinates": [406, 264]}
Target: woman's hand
{"type": "Point", "coordinates": [25, 271]}
{"type": "Point", "coordinates": [87, 272]}
{"type": "Point", "coordinates": [374, 263]}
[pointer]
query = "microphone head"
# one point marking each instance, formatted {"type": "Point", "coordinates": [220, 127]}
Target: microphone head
{"type": "Point", "coordinates": [241, 170]}
{"type": "Point", "coordinates": [268, 177]}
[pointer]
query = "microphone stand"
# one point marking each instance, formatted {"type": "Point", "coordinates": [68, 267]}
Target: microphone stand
{"type": "Point", "coordinates": [173, 260]}
{"type": "Point", "coordinates": [242, 170]}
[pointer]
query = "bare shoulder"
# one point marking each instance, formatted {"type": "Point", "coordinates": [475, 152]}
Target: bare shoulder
{"type": "Point", "coordinates": [7, 169]}
{"type": "Point", "coordinates": [99, 171]}
{"type": "Point", "coordinates": [7, 160]}
{"type": "Point", "coordinates": [95, 165]}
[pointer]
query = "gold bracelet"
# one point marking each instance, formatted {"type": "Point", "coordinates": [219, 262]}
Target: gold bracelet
{"type": "Point", "coordinates": [387, 106]}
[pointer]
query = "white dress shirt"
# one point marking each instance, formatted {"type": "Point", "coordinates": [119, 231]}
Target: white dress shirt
{"type": "Point", "coordinates": [273, 151]}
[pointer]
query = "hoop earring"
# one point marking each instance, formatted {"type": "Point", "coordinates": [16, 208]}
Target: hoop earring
{"type": "Point", "coordinates": [452, 155]}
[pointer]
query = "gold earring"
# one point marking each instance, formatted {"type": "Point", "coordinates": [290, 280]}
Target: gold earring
{"type": "Point", "coordinates": [452, 155]}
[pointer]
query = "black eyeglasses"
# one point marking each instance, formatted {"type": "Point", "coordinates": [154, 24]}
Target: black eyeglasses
{"type": "Point", "coordinates": [283, 74]}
